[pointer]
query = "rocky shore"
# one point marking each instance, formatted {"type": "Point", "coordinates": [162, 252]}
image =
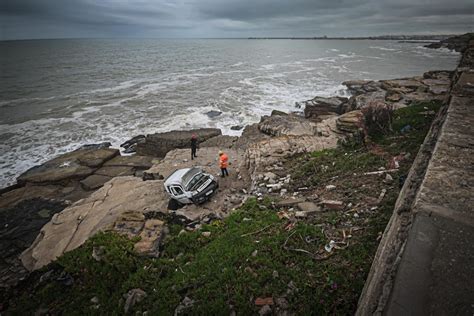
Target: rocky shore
{"type": "Point", "coordinates": [56, 207]}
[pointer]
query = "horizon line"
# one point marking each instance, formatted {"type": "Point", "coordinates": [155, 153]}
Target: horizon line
{"type": "Point", "coordinates": [375, 37]}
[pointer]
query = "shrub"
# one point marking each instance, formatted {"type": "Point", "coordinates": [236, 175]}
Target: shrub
{"type": "Point", "coordinates": [378, 119]}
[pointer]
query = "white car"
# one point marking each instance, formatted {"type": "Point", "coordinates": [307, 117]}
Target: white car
{"type": "Point", "coordinates": [190, 185]}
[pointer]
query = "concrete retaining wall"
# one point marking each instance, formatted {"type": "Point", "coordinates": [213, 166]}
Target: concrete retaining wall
{"type": "Point", "coordinates": [425, 260]}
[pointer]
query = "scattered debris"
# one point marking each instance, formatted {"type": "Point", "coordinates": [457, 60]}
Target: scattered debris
{"type": "Point", "coordinates": [261, 301]}
{"type": "Point", "coordinates": [388, 178]}
{"type": "Point", "coordinates": [330, 187]}
{"type": "Point", "coordinates": [381, 196]}
{"type": "Point", "coordinates": [380, 172]}
{"type": "Point", "coordinates": [333, 205]}
{"type": "Point", "coordinates": [290, 226]}
{"type": "Point", "coordinates": [335, 245]}
{"type": "Point", "coordinates": [291, 288]}
{"type": "Point", "coordinates": [395, 161]}
{"type": "Point", "coordinates": [133, 297]}
{"type": "Point", "coordinates": [300, 214]}
{"type": "Point", "coordinates": [265, 310]}
{"type": "Point", "coordinates": [289, 202]}
{"type": "Point", "coordinates": [185, 304]}
{"type": "Point", "coordinates": [405, 129]}
{"type": "Point", "coordinates": [283, 214]}
{"type": "Point", "coordinates": [282, 303]}
{"type": "Point", "coordinates": [309, 208]}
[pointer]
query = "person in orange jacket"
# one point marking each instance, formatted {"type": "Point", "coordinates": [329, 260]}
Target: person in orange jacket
{"type": "Point", "coordinates": [223, 163]}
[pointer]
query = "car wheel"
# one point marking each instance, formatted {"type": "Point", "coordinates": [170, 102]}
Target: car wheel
{"type": "Point", "coordinates": [174, 205]}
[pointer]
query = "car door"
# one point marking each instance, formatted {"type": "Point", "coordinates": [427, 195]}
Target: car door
{"type": "Point", "coordinates": [178, 193]}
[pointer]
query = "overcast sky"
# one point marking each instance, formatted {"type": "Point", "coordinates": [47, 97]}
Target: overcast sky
{"type": "Point", "coordinates": [21, 19]}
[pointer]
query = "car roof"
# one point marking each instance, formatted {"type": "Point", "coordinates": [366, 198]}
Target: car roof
{"type": "Point", "coordinates": [176, 176]}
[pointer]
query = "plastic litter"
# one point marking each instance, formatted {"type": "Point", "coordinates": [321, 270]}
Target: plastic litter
{"type": "Point", "coordinates": [329, 247]}
{"type": "Point", "coordinates": [405, 129]}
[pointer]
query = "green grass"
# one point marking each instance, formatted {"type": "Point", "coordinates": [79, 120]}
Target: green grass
{"type": "Point", "coordinates": [323, 166]}
{"type": "Point", "coordinates": [216, 272]}
{"type": "Point", "coordinates": [319, 167]}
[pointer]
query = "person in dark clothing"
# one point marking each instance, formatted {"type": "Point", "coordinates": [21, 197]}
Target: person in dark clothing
{"type": "Point", "coordinates": [194, 146]}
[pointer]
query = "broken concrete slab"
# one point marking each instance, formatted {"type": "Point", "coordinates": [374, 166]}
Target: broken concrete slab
{"type": "Point", "coordinates": [290, 202]}
{"type": "Point", "coordinates": [333, 204]}
{"type": "Point", "coordinates": [309, 208]}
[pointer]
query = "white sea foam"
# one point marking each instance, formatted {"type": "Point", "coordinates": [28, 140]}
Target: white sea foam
{"type": "Point", "coordinates": [383, 48]}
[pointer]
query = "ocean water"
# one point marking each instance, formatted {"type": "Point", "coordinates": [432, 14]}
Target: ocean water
{"type": "Point", "coordinates": [56, 95]}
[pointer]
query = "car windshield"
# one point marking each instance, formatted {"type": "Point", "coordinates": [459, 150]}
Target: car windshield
{"type": "Point", "coordinates": [195, 182]}
{"type": "Point", "coordinates": [189, 175]}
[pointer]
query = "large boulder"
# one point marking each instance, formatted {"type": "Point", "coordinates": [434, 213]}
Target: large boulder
{"type": "Point", "coordinates": [357, 87]}
{"type": "Point", "coordinates": [364, 100]}
{"type": "Point", "coordinates": [71, 166]}
{"type": "Point", "coordinates": [261, 155]}
{"type": "Point", "coordinates": [350, 122]}
{"type": "Point", "coordinates": [159, 144]}
{"type": "Point", "coordinates": [286, 125]}
{"type": "Point", "coordinates": [119, 206]}
{"type": "Point", "coordinates": [250, 135]}
{"type": "Point", "coordinates": [319, 107]}
{"type": "Point", "coordinates": [416, 96]}
{"type": "Point", "coordinates": [438, 81]}
{"type": "Point", "coordinates": [414, 84]}
{"type": "Point", "coordinates": [130, 146]}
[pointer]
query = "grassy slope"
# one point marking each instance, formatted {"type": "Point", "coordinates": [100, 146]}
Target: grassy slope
{"type": "Point", "coordinates": [220, 273]}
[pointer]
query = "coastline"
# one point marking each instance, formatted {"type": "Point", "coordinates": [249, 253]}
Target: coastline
{"type": "Point", "coordinates": [324, 123]}
{"type": "Point", "coordinates": [111, 192]}
{"type": "Point", "coordinates": [130, 105]}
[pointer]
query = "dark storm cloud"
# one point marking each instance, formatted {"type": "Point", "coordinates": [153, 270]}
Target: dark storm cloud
{"type": "Point", "coordinates": [248, 10]}
{"type": "Point", "coordinates": [81, 12]}
{"type": "Point", "coordinates": [220, 18]}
